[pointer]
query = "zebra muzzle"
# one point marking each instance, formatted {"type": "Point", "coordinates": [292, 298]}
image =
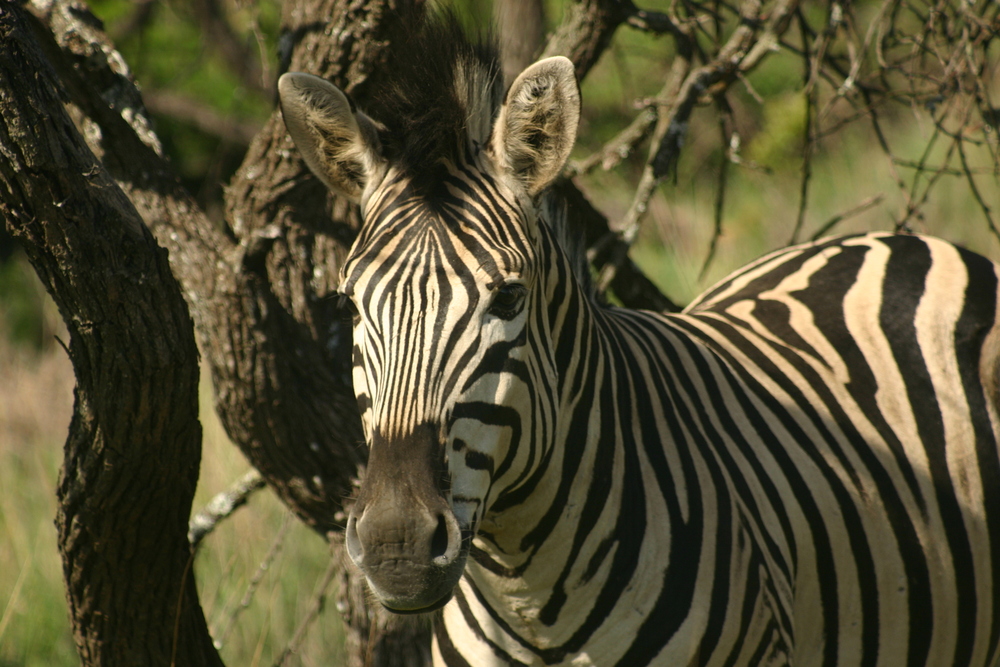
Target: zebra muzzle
{"type": "Point", "coordinates": [401, 532]}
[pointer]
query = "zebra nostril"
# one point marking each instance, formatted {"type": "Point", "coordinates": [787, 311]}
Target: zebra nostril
{"type": "Point", "coordinates": [439, 541]}
{"type": "Point", "coordinates": [446, 542]}
{"type": "Point", "coordinates": [354, 548]}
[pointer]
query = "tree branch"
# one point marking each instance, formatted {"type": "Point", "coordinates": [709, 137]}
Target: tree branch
{"type": "Point", "coordinates": [131, 458]}
{"type": "Point", "coordinates": [200, 116]}
{"type": "Point", "coordinates": [222, 38]}
{"type": "Point", "coordinates": [740, 54]}
{"type": "Point", "coordinates": [279, 352]}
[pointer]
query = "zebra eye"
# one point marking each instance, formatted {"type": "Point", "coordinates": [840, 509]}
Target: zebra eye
{"type": "Point", "coordinates": [346, 305]}
{"type": "Point", "coordinates": [508, 300]}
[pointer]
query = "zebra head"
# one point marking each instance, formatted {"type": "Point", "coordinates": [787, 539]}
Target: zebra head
{"type": "Point", "coordinates": [444, 279]}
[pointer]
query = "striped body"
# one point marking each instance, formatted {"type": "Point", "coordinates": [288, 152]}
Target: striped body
{"type": "Point", "coordinates": [800, 469]}
{"type": "Point", "coordinates": [803, 467]}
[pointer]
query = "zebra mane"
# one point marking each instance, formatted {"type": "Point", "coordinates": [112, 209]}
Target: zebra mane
{"type": "Point", "coordinates": [439, 94]}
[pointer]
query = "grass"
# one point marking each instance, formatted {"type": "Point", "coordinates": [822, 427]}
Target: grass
{"type": "Point", "coordinates": [35, 408]}
{"type": "Point", "coordinates": [35, 404]}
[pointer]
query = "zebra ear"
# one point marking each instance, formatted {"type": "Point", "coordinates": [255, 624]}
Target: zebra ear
{"type": "Point", "coordinates": [536, 128]}
{"type": "Point", "coordinates": [338, 143]}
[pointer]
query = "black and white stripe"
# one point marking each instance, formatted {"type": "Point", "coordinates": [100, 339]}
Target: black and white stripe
{"type": "Point", "coordinates": [801, 468]}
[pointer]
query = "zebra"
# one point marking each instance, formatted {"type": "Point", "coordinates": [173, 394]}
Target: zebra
{"type": "Point", "coordinates": [801, 468]}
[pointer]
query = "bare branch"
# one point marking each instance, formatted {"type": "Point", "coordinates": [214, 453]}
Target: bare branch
{"type": "Point", "coordinates": [319, 602]}
{"type": "Point", "coordinates": [990, 222]}
{"type": "Point", "coordinates": [655, 22]}
{"type": "Point", "coordinates": [522, 25]}
{"type": "Point", "coordinates": [277, 544]}
{"type": "Point", "coordinates": [222, 506]}
{"type": "Point", "coordinates": [725, 120]}
{"type": "Point", "coordinates": [135, 436]}
{"type": "Point", "coordinates": [586, 31]}
{"type": "Point", "coordinates": [827, 226]}
{"type": "Point", "coordinates": [812, 64]}
{"type": "Point", "coordinates": [741, 53]}
{"type": "Point", "coordinates": [222, 38]}
{"type": "Point", "coordinates": [201, 116]}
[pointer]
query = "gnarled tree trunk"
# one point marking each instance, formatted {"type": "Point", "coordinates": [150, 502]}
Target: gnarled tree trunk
{"type": "Point", "coordinates": [131, 458]}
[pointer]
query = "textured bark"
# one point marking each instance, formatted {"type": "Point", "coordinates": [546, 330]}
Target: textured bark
{"type": "Point", "coordinates": [288, 399]}
{"type": "Point", "coordinates": [586, 31]}
{"type": "Point", "coordinates": [278, 351]}
{"type": "Point", "coordinates": [131, 458]}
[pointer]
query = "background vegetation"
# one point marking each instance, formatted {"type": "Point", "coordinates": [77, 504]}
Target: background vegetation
{"type": "Point", "coordinates": [208, 103]}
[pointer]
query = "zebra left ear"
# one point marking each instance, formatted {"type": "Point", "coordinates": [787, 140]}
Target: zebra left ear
{"type": "Point", "coordinates": [536, 128]}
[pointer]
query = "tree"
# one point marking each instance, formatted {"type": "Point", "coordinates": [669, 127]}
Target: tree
{"type": "Point", "coordinates": [86, 188]}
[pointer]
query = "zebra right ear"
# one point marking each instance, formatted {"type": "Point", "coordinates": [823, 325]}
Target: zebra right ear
{"type": "Point", "coordinates": [339, 144]}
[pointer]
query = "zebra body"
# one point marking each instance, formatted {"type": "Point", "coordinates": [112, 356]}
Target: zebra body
{"type": "Point", "coordinates": [800, 469]}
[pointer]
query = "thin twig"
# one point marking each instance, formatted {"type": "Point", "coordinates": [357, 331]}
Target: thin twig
{"type": "Point", "coordinates": [654, 22]}
{"type": "Point", "coordinates": [827, 226]}
{"type": "Point", "coordinates": [223, 505]}
{"type": "Point", "coordinates": [725, 119]}
{"type": "Point", "coordinates": [743, 51]}
{"type": "Point", "coordinates": [319, 601]}
{"type": "Point", "coordinates": [276, 546]}
{"type": "Point", "coordinates": [619, 147]}
{"type": "Point", "coordinates": [975, 192]}
{"type": "Point", "coordinates": [811, 66]}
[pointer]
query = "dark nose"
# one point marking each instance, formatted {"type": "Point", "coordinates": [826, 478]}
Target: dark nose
{"type": "Point", "coordinates": [402, 533]}
{"type": "Point", "coordinates": [419, 534]}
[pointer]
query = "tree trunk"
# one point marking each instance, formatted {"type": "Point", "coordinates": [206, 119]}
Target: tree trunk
{"type": "Point", "coordinates": [131, 458]}
{"type": "Point", "coordinates": [522, 30]}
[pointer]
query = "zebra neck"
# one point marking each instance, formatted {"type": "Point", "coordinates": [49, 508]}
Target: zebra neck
{"type": "Point", "coordinates": [596, 488]}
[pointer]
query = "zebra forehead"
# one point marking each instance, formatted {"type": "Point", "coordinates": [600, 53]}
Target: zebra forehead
{"type": "Point", "coordinates": [462, 230]}
{"type": "Point", "coordinates": [430, 253]}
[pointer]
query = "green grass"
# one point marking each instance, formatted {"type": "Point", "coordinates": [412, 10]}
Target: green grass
{"type": "Point", "coordinates": [232, 556]}
{"type": "Point", "coordinates": [35, 407]}
{"type": "Point", "coordinates": [35, 401]}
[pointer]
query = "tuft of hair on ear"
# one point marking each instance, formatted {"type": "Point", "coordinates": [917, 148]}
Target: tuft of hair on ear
{"type": "Point", "coordinates": [438, 96]}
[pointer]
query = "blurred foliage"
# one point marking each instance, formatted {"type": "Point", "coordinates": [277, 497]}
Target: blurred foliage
{"type": "Point", "coordinates": [779, 141]}
{"type": "Point", "coordinates": [21, 307]}
{"type": "Point", "coordinates": [166, 46]}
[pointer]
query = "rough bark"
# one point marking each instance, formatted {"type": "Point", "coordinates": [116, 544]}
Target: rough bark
{"type": "Point", "coordinates": [586, 30]}
{"type": "Point", "coordinates": [131, 458]}
{"type": "Point", "coordinates": [276, 347]}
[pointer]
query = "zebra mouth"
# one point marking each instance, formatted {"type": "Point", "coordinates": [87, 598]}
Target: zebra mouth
{"type": "Point", "coordinates": [402, 532]}
{"type": "Point", "coordinates": [405, 587]}
{"type": "Point", "coordinates": [423, 610]}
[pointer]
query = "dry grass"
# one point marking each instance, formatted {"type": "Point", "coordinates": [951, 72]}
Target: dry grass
{"type": "Point", "coordinates": [36, 396]}
{"type": "Point", "coordinates": [35, 406]}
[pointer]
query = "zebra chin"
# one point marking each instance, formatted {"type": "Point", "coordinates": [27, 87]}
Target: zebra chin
{"type": "Point", "coordinates": [415, 590]}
